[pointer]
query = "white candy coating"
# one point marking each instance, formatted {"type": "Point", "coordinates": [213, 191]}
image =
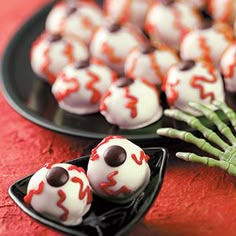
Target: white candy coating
{"type": "Point", "coordinates": [122, 11]}
{"type": "Point", "coordinates": [113, 47]}
{"type": "Point", "coordinates": [79, 91]}
{"type": "Point", "coordinates": [152, 66]}
{"type": "Point", "coordinates": [228, 67]}
{"type": "Point", "coordinates": [207, 44]}
{"type": "Point", "coordinates": [82, 22]}
{"type": "Point", "coordinates": [66, 204]}
{"type": "Point", "coordinates": [131, 107]}
{"type": "Point", "coordinates": [123, 182]}
{"type": "Point", "coordinates": [168, 24]}
{"type": "Point", "coordinates": [48, 58]}
{"type": "Point", "coordinates": [201, 83]}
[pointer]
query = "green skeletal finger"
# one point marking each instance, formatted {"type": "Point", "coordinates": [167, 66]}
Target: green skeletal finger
{"type": "Point", "coordinates": [212, 116]}
{"type": "Point", "coordinates": [196, 124]}
{"type": "Point", "coordinates": [203, 160]}
{"type": "Point", "coordinates": [190, 138]}
{"type": "Point", "coordinates": [231, 115]}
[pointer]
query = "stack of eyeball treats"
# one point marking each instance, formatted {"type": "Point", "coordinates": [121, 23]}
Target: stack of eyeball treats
{"type": "Point", "coordinates": [118, 57]}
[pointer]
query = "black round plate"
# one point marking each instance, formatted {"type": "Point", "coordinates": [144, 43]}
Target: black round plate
{"type": "Point", "coordinates": [32, 98]}
{"type": "Point", "coordinates": [104, 217]}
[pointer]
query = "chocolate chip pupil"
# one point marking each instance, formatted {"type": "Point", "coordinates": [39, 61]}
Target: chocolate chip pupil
{"type": "Point", "coordinates": [82, 64]}
{"type": "Point", "coordinates": [57, 176]}
{"type": "Point", "coordinates": [167, 2]}
{"type": "Point", "coordinates": [71, 10]}
{"type": "Point", "coordinates": [123, 82]}
{"type": "Point", "coordinates": [54, 38]}
{"type": "Point", "coordinates": [206, 24]}
{"type": "Point", "coordinates": [114, 27]}
{"type": "Point", "coordinates": [186, 65]}
{"type": "Point", "coordinates": [147, 48]}
{"type": "Point", "coordinates": [115, 156]}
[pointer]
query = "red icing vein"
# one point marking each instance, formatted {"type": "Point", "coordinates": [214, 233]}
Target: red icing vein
{"type": "Point", "coordinates": [62, 196]}
{"type": "Point", "coordinates": [142, 157]}
{"type": "Point", "coordinates": [96, 95]}
{"type": "Point", "coordinates": [103, 106]}
{"type": "Point", "coordinates": [206, 51]}
{"type": "Point", "coordinates": [173, 96]}
{"type": "Point", "coordinates": [105, 186]}
{"type": "Point", "coordinates": [69, 52]}
{"type": "Point", "coordinates": [132, 102]}
{"type": "Point", "coordinates": [29, 196]}
{"type": "Point", "coordinates": [79, 169]}
{"type": "Point", "coordinates": [109, 51]}
{"type": "Point", "coordinates": [85, 192]}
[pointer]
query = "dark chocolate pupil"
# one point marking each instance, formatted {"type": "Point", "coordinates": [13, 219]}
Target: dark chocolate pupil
{"type": "Point", "coordinates": [54, 37]}
{"type": "Point", "coordinates": [167, 2]}
{"type": "Point", "coordinates": [113, 27]}
{"type": "Point", "coordinates": [186, 65]}
{"type": "Point", "coordinates": [57, 176]}
{"type": "Point", "coordinates": [206, 24]}
{"type": "Point", "coordinates": [82, 64]}
{"type": "Point", "coordinates": [147, 48]}
{"type": "Point", "coordinates": [123, 82]}
{"type": "Point", "coordinates": [115, 156]}
{"type": "Point", "coordinates": [71, 10]}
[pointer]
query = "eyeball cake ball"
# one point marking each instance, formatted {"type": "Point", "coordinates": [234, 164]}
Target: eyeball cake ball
{"type": "Point", "coordinates": [75, 18]}
{"type": "Point", "coordinates": [118, 170]}
{"type": "Point", "coordinates": [123, 11]}
{"type": "Point", "coordinates": [223, 10]}
{"type": "Point", "coordinates": [51, 52]}
{"type": "Point", "coordinates": [167, 21]}
{"type": "Point", "coordinates": [150, 63]}
{"type": "Point", "coordinates": [131, 104]}
{"type": "Point", "coordinates": [228, 67]}
{"type": "Point", "coordinates": [60, 192]}
{"type": "Point", "coordinates": [207, 43]}
{"type": "Point", "coordinates": [190, 81]}
{"type": "Point", "coordinates": [112, 43]}
{"type": "Point", "coordinates": [80, 86]}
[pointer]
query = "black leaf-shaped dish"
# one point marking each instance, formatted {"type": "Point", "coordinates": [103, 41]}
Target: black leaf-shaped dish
{"type": "Point", "coordinates": [104, 217]}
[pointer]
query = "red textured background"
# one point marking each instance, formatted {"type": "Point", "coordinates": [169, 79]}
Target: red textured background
{"type": "Point", "coordinates": [194, 200]}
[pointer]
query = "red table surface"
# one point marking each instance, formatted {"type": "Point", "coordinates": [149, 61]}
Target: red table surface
{"type": "Point", "coordinates": [194, 199]}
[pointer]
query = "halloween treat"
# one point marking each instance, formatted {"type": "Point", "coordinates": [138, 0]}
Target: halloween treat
{"type": "Point", "coordinates": [196, 3]}
{"type": "Point", "coordinates": [112, 43]}
{"type": "Point", "coordinates": [60, 192]}
{"type": "Point", "coordinates": [228, 67]}
{"type": "Point", "coordinates": [168, 21]}
{"type": "Point", "coordinates": [51, 52]}
{"type": "Point", "coordinates": [150, 63]}
{"type": "Point", "coordinates": [118, 170]}
{"type": "Point", "coordinates": [223, 10]}
{"type": "Point", "coordinates": [223, 151]}
{"type": "Point", "coordinates": [80, 86]}
{"type": "Point", "coordinates": [75, 18]}
{"type": "Point", "coordinates": [131, 104]}
{"type": "Point", "coordinates": [123, 11]}
{"type": "Point", "coordinates": [193, 81]}
{"type": "Point", "coordinates": [207, 43]}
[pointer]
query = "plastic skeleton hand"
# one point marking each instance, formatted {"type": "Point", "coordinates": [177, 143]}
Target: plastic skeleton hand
{"type": "Point", "coordinates": [226, 154]}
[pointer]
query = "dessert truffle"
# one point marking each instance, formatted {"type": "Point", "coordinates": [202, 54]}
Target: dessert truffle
{"type": "Point", "coordinates": [190, 81]}
{"type": "Point", "coordinates": [112, 43]}
{"type": "Point", "coordinates": [51, 52]}
{"type": "Point", "coordinates": [75, 18]}
{"type": "Point", "coordinates": [168, 21]}
{"type": "Point", "coordinates": [80, 86]}
{"type": "Point", "coordinates": [224, 11]}
{"type": "Point", "coordinates": [150, 63]}
{"type": "Point", "coordinates": [228, 67]}
{"type": "Point", "coordinates": [207, 43]}
{"type": "Point", "coordinates": [118, 170]}
{"type": "Point", "coordinates": [123, 11]}
{"type": "Point", "coordinates": [131, 104]}
{"type": "Point", "coordinates": [60, 192]}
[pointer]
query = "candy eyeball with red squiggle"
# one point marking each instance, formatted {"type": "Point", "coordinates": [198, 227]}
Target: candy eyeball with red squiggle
{"type": "Point", "coordinates": [190, 81]}
{"type": "Point", "coordinates": [51, 52]}
{"type": "Point", "coordinates": [118, 170]}
{"type": "Point", "coordinates": [131, 104]}
{"type": "Point", "coordinates": [150, 63]}
{"type": "Point", "coordinates": [207, 43]}
{"type": "Point", "coordinates": [80, 86]}
{"type": "Point", "coordinates": [75, 18]}
{"type": "Point", "coordinates": [168, 21]}
{"type": "Point", "coordinates": [60, 192]}
{"type": "Point", "coordinates": [112, 42]}
{"type": "Point", "coordinates": [228, 67]}
{"type": "Point", "coordinates": [123, 11]}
